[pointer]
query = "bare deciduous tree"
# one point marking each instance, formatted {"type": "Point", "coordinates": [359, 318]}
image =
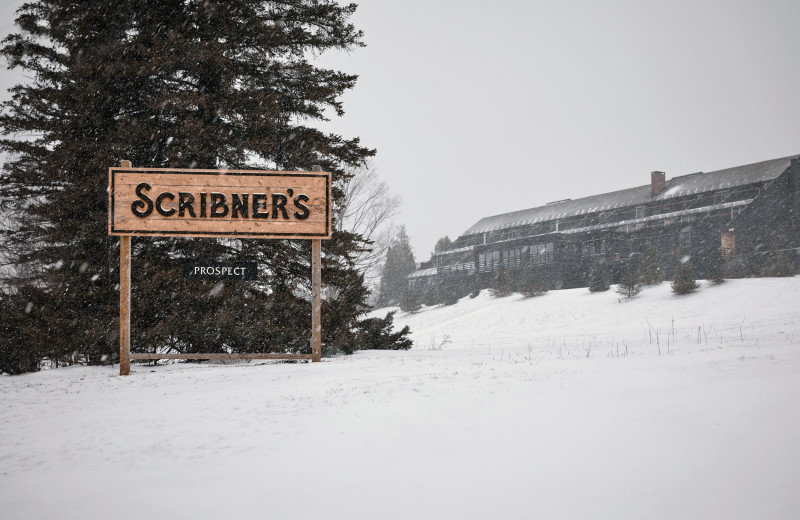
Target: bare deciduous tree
{"type": "Point", "coordinates": [367, 209]}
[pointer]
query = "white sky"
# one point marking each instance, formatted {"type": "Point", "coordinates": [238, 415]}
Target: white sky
{"type": "Point", "coordinates": [478, 108]}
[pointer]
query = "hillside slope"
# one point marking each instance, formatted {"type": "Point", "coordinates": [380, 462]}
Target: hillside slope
{"type": "Point", "coordinates": [735, 313]}
{"type": "Point", "coordinates": [569, 405]}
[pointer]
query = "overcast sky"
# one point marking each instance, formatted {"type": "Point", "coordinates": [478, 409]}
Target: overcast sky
{"type": "Point", "coordinates": [479, 108]}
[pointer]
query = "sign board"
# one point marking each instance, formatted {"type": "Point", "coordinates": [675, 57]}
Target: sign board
{"type": "Point", "coordinates": [220, 270]}
{"type": "Point", "coordinates": [219, 203]}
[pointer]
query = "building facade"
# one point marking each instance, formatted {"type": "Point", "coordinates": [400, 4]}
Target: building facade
{"type": "Point", "coordinates": [742, 212]}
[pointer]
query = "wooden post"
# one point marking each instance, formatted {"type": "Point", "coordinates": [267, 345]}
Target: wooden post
{"type": "Point", "coordinates": [316, 300]}
{"type": "Point", "coordinates": [125, 299]}
{"type": "Point", "coordinates": [316, 296]}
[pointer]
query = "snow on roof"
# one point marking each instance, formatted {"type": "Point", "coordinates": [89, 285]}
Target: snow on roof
{"type": "Point", "coordinates": [422, 273]}
{"type": "Point", "coordinates": [660, 216]}
{"type": "Point", "coordinates": [675, 187]}
{"type": "Point", "coordinates": [453, 251]}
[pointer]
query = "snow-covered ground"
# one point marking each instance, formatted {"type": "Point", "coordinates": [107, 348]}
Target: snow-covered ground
{"type": "Point", "coordinates": [568, 405]}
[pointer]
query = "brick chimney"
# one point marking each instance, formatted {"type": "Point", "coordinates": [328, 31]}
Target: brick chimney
{"type": "Point", "coordinates": [658, 181]}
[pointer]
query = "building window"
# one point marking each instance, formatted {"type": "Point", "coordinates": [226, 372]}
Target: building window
{"type": "Point", "coordinates": [508, 258]}
{"type": "Point", "coordinates": [639, 212]}
{"type": "Point", "coordinates": [728, 243]}
{"type": "Point", "coordinates": [488, 261]}
{"type": "Point", "coordinates": [542, 254]}
{"type": "Point", "coordinates": [513, 257]}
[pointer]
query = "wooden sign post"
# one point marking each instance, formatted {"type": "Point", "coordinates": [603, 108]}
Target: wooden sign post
{"type": "Point", "coordinates": [220, 204]}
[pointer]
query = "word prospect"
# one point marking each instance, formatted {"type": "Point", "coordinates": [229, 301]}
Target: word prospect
{"type": "Point", "coordinates": [220, 271]}
{"type": "Point", "coordinates": [219, 203]}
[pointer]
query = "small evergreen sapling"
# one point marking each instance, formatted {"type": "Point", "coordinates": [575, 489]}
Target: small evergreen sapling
{"type": "Point", "coordinates": [476, 287]}
{"type": "Point", "coordinates": [377, 334]}
{"type": "Point", "coordinates": [501, 283]}
{"type": "Point", "coordinates": [410, 302]}
{"type": "Point", "coordinates": [531, 285]}
{"type": "Point", "coordinates": [717, 273]}
{"type": "Point", "coordinates": [629, 284]}
{"type": "Point", "coordinates": [450, 291]}
{"type": "Point", "coordinates": [684, 281]}
{"type": "Point", "coordinates": [598, 280]}
{"type": "Point", "coordinates": [430, 295]}
{"type": "Point", "coordinates": [649, 270]}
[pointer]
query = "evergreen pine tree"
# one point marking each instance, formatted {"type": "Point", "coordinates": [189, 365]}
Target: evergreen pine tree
{"type": "Point", "coordinates": [476, 287]}
{"type": "Point", "coordinates": [450, 290]}
{"type": "Point", "coordinates": [20, 351]}
{"type": "Point", "coordinates": [684, 281]}
{"type": "Point", "coordinates": [531, 285]}
{"type": "Point", "coordinates": [501, 283]}
{"type": "Point", "coordinates": [378, 334]}
{"type": "Point", "coordinates": [410, 301]}
{"type": "Point", "coordinates": [430, 296]}
{"type": "Point", "coordinates": [399, 264]}
{"type": "Point", "coordinates": [443, 244]}
{"type": "Point", "coordinates": [220, 84]}
{"type": "Point", "coordinates": [717, 272]}
{"type": "Point", "coordinates": [598, 280]}
{"type": "Point", "coordinates": [629, 284]}
{"type": "Point", "coordinates": [649, 269]}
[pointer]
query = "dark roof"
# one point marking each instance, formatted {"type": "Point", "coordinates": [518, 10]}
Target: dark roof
{"type": "Point", "coordinates": [675, 187]}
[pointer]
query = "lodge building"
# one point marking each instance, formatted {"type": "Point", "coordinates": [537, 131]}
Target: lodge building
{"type": "Point", "coordinates": [744, 212]}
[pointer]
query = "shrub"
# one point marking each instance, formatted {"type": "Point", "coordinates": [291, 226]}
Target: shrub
{"type": "Point", "coordinates": [629, 284]}
{"type": "Point", "coordinates": [410, 301]}
{"type": "Point", "coordinates": [531, 285]}
{"type": "Point", "coordinates": [377, 334]}
{"type": "Point", "coordinates": [430, 295]}
{"type": "Point", "coordinates": [598, 279]}
{"type": "Point", "coordinates": [649, 270]}
{"type": "Point", "coordinates": [450, 291]}
{"type": "Point", "coordinates": [476, 287]}
{"type": "Point", "coordinates": [717, 272]}
{"type": "Point", "coordinates": [18, 353]}
{"type": "Point", "coordinates": [501, 283]}
{"type": "Point", "coordinates": [684, 282]}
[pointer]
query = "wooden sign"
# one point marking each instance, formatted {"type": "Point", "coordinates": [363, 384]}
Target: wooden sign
{"type": "Point", "coordinates": [219, 203]}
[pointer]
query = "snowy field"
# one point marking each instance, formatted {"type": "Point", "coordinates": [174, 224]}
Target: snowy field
{"type": "Point", "coordinates": [568, 405]}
